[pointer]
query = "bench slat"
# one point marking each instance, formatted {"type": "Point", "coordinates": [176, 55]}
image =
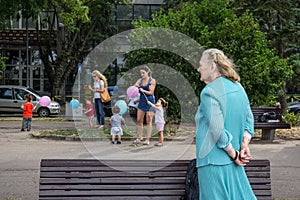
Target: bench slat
{"type": "Point", "coordinates": [107, 168]}
{"type": "Point", "coordinates": [116, 198]}
{"type": "Point", "coordinates": [262, 192]}
{"type": "Point", "coordinates": [113, 187]}
{"type": "Point", "coordinates": [259, 180]}
{"type": "Point", "coordinates": [272, 125]}
{"type": "Point", "coordinates": [111, 174]}
{"type": "Point", "coordinates": [133, 192]}
{"type": "Point", "coordinates": [128, 187]}
{"type": "Point", "coordinates": [258, 174]}
{"type": "Point", "coordinates": [111, 180]}
{"type": "Point", "coordinates": [117, 175]}
{"type": "Point", "coordinates": [115, 163]}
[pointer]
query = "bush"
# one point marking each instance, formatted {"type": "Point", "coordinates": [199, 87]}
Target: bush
{"type": "Point", "coordinates": [292, 119]}
{"type": "Point", "coordinates": [2, 66]}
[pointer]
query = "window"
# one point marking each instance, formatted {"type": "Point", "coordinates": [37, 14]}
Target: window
{"type": "Point", "coordinates": [19, 94]}
{"type": "Point", "coordinates": [124, 12]}
{"type": "Point", "coordinates": [155, 8]}
{"type": "Point", "coordinates": [41, 21]}
{"type": "Point", "coordinates": [5, 93]}
{"type": "Point", "coordinates": [142, 11]}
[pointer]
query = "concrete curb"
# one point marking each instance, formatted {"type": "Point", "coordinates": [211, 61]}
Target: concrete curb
{"type": "Point", "coordinates": [78, 138]}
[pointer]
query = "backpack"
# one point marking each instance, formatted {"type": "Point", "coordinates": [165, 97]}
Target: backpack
{"type": "Point", "coordinates": [191, 182]}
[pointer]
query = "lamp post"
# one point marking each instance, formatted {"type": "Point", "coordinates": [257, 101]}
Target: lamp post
{"type": "Point", "coordinates": [27, 56]}
{"type": "Point", "coordinates": [79, 71]}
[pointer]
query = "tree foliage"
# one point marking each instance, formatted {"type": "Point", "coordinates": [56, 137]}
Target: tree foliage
{"type": "Point", "coordinates": [214, 25]}
{"type": "Point", "coordinates": [2, 66]}
{"type": "Point", "coordinates": [13, 9]}
{"type": "Point", "coordinates": [73, 28]}
{"type": "Point", "coordinates": [280, 21]}
{"type": "Point", "coordinates": [81, 26]}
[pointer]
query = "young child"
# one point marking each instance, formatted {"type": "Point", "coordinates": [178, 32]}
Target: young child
{"type": "Point", "coordinates": [132, 105]}
{"type": "Point", "coordinates": [89, 111]}
{"type": "Point", "coordinates": [27, 112]}
{"type": "Point", "coordinates": [160, 107]}
{"type": "Point", "coordinates": [116, 122]}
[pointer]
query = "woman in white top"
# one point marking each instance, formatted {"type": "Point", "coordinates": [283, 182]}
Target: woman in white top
{"type": "Point", "coordinates": [99, 84]}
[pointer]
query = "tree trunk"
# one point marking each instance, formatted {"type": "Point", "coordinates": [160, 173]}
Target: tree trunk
{"type": "Point", "coordinates": [282, 100]}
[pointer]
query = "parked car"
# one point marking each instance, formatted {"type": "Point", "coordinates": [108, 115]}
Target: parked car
{"type": "Point", "coordinates": [294, 107]}
{"type": "Point", "coordinates": [12, 97]}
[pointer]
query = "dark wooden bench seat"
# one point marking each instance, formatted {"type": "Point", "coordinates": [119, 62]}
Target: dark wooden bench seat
{"type": "Point", "coordinates": [130, 179]}
{"type": "Point", "coordinates": [268, 128]}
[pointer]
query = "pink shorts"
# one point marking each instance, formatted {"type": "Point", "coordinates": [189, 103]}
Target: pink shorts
{"type": "Point", "coordinates": [160, 126]}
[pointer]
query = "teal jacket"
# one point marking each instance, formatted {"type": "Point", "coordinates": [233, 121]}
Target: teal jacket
{"type": "Point", "coordinates": [222, 117]}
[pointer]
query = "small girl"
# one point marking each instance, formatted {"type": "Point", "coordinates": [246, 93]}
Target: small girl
{"type": "Point", "coordinates": [160, 108]}
{"type": "Point", "coordinates": [116, 122]}
{"type": "Point", "coordinates": [89, 111]}
{"type": "Point", "coordinates": [27, 112]}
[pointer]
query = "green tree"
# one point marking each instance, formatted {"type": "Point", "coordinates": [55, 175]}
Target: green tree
{"type": "Point", "coordinates": [2, 67]}
{"type": "Point", "coordinates": [280, 21]}
{"type": "Point", "coordinates": [13, 9]}
{"type": "Point", "coordinates": [68, 30]}
{"type": "Point", "coordinates": [214, 24]}
{"type": "Point", "coordinates": [81, 25]}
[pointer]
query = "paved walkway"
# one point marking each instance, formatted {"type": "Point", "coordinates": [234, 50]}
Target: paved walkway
{"type": "Point", "coordinates": [20, 156]}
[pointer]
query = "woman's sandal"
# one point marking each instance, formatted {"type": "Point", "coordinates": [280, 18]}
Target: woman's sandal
{"type": "Point", "coordinates": [137, 141]}
{"type": "Point", "coordinates": [146, 142]}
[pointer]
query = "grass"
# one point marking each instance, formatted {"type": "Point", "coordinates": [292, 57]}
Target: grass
{"type": "Point", "coordinates": [82, 133]}
{"type": "Point", "coordinates": [60, 132]}
{"type": "Point", "coordinates": [128, 132]}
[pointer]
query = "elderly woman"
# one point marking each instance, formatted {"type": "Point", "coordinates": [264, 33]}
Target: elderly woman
{"type": "Point", "coordinates": [224, 127]}
{"type": "Point", "coordinates": [99, 84]}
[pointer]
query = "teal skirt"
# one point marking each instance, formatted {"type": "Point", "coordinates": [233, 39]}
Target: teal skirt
{"type": "Point", "coordinates": [224, 182]}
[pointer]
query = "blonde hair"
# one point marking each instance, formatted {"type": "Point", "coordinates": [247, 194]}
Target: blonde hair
{"type": "Point", "coordinates": [100, 76]}
{"type": "Point", "coordinates": [116, 109]}
{"type": "Point", "coordinates": [224, 64]}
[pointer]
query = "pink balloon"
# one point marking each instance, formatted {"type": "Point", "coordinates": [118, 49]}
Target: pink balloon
{"type": "Point", "coordinates": [45, 101]}
{"type": "Point", "coordinates": [132, 91]}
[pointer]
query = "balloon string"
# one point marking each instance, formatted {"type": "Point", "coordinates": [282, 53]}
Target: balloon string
{"type": "Point", "coordinates": [145, 96]}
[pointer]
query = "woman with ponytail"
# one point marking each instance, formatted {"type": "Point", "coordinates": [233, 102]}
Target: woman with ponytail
{"type": "Point", "coordinates": [224, 127]}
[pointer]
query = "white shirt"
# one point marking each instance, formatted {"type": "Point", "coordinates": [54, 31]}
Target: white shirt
{"type": "Point", "coordinates": [97, 87]}
{"type": "Point", "coordinates": [159, 115]}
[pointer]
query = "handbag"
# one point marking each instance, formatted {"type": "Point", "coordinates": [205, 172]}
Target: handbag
{"type": "Point", "coordinates": [105, 97]}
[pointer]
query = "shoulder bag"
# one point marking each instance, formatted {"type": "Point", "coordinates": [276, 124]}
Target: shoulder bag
{"type": "Point", "coordinates": [105, 97]}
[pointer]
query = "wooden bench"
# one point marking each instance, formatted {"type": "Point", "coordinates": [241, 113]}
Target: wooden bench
{"type": "Point", "coordinates": [268, 128]}
{"type": "Point", "coordinates": [130, 179]}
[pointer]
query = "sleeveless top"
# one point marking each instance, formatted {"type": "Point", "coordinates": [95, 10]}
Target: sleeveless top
{"type": "Point", "coordinates": [143, 105]}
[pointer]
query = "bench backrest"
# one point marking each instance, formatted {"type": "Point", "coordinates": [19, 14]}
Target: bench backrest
{"type": "Point", "coordinates": [257, 111]}
{"type": "Point", "coordinates": [130, 179]}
